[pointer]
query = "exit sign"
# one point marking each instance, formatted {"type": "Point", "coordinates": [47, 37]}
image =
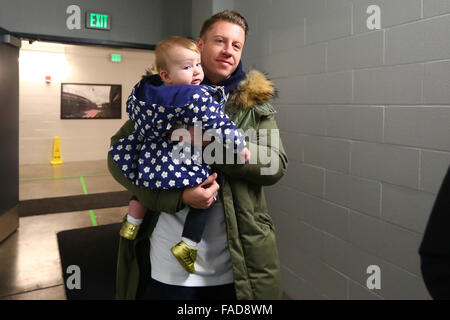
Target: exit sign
{"type": "Point", "coordinates": [100, 21]}
{"type": "Point", "coordinates": [115, 57]}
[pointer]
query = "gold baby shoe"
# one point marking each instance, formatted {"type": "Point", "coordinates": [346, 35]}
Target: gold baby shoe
{"type": "Point", "coordinates": [185, 255]}
{"type": "Point", "coordinates": [129, 231]}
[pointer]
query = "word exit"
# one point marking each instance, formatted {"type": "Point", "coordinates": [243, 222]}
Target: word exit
{"type": "Point", "coordinates": [97, 21]}
{"type": "Point", "coordinates": [94, 20]}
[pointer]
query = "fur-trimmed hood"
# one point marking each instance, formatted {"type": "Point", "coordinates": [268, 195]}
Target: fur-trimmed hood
{"type": "Point", "coordinates": [254, 89]}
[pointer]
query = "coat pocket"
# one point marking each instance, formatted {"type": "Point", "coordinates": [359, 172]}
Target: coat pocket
{"type": "Point", "coordinates": [263, 219]}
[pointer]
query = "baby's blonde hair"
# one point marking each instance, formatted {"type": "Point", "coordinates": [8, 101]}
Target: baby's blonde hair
{"type": "Point", "coordinates": [164, 47]}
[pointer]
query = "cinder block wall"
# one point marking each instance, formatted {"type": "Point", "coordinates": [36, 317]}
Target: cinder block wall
{"type": "Point", "coordinates": [364, 116]}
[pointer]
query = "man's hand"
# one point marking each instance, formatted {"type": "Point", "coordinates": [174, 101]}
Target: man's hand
{"type": "Point", "coordinates": [202, 196]}
{"type": "Point", "coordinates": [244, 155]}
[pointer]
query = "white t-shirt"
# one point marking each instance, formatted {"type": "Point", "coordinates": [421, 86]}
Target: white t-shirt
{"type": "Point", "coordinates": [213, 265]}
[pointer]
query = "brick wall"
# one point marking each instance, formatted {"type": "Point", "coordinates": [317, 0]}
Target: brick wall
{"type": "Point", "coordinates": [364, 116]}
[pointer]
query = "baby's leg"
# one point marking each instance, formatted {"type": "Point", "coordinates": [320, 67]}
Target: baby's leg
{"type": "Point", "coordinates": [136, 209]}
{"type": "Point", "coordinates": [135, 216]}
{"type": "Point", "coordinates": [186, 250]}
{"type": "Point", "coordinates": [195, 225]}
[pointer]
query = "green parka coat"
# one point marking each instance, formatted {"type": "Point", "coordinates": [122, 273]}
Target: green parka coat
{"type": "Point", "coordinates": [250, 230]}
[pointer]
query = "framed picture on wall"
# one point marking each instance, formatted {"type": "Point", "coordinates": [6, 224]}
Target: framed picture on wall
{"type": "Point", "coordinates": [91, 101]}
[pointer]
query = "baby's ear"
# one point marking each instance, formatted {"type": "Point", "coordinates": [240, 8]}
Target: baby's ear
{"type": "Point", "coordinates": [164, 76]}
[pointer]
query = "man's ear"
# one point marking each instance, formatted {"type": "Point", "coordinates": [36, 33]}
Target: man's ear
{"type": "Point", "coordinates": [164, 76]}
{"type": "Point", "coordinates": [199, 43]}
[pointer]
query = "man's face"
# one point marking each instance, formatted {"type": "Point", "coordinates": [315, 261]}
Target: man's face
{"type": "Point", "coordinates": [221, 50]}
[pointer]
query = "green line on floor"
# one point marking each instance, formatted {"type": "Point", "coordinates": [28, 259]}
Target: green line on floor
{"type": "Point", "coordinates": [94, 221]}
{"type": "Point", "coordinates": [91, 212]}
{"type": "Point", "coordinates": [83, 185]}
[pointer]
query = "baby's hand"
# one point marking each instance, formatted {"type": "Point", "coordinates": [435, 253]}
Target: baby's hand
{"type": "Point", "coordinates": [244, 155]}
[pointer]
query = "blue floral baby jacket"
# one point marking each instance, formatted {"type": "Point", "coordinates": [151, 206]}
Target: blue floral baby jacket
{"type": "Point", "coordinates": [148, 158]}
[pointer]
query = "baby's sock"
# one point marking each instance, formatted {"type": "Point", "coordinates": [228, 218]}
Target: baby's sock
{"type": "Point", "coordinates": [134, 221]}
{"type": "Point", "coordinates": [189, 242]}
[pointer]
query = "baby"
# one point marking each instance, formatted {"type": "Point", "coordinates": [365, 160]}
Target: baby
{"type": "Point", "coordinates": [147, 157]}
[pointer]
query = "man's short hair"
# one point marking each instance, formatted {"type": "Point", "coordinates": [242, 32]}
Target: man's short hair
{"type": "Point", "coordinates": [227, 15]}
{"type": "Point", "coordinates": [163, 49]}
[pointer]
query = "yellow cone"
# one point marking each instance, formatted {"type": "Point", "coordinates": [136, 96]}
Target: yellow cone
{"type": "Point", "coordinates": [56, 152]}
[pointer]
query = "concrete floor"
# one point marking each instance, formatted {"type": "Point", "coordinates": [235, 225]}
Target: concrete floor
{"type": "Point", "coordinates": [30, 266]}
{"type": "Point", "coordinates": [47, 181]}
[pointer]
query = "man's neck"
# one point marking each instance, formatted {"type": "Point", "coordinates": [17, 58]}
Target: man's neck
{"type": "Point", "coordinates": [216, 81]}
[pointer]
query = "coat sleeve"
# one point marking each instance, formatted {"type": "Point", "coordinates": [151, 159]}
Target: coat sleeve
{"type": "Point", "coordinates": [169, 201]}
{"type": "Point", "coordinates": [268, 162]}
